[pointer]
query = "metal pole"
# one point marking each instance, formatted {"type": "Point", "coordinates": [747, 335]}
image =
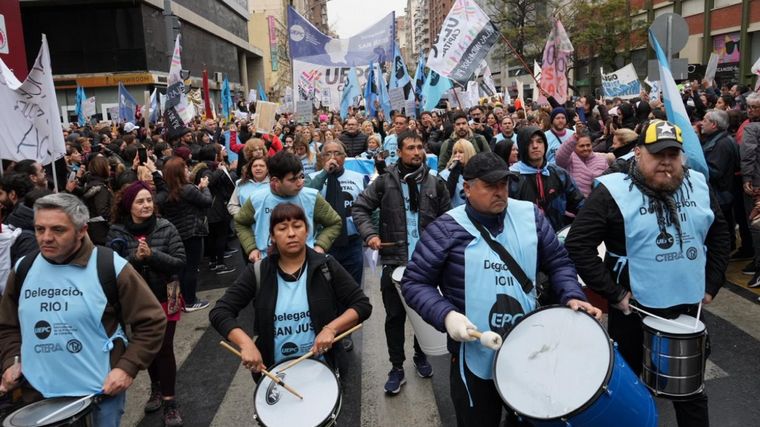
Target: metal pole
{"type": "Point", "coordinates": [668, 41]}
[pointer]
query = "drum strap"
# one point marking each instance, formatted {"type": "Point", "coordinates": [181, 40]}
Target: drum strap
{"type": "Point", "coordinates": [514, 267]}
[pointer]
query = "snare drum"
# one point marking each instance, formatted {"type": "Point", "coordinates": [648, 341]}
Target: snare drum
{"type": "Point", "coordinates": [29, 415]}
{"type": "Point", "coordinates": [558, 367]}
{"type": "Point", "coordinates": [674, 357]}
{"type": "Point", "coordinates": [274, 406]}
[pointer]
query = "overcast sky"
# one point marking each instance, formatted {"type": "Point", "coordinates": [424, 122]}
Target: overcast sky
{"type": "Point", "coordinates": [348, 17]}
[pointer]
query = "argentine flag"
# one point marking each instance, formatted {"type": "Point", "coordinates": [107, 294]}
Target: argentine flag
{"type": "Point", "coordinates": [676, 112]}
{"type": "Point", "coordinates": [350, 91]}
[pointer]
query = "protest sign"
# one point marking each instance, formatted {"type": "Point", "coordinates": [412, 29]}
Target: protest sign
{"type": "Point", "coordinates": [555, 63]}
{"type": "Point", "coordinates": [466, 37]}
{"type": "Point", "coordinates": [264, 119]}
{"type": "Point", "coordinates": [623, 83]}
{"type": "Point", "coordinates": [397, 98]}
{"type": "Point", "coordinates": [29, 113]}
{"type": "Point", "coordinates": [304, 112]}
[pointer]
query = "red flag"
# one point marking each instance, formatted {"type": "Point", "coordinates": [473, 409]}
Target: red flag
{"type": "Point", "coordinates": [206, 98]}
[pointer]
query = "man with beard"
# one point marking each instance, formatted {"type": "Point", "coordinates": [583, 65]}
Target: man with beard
{"type": "Point", "coordinates": [409, 198]}
{"type": "Point", "coordinates": [461, 130]}
{"type": "Point", "coordinates": [558, 133]}
{"type": "Point", "coordinates": [451, 255]}
{"type": "Point", "coordinates": [667, 246]}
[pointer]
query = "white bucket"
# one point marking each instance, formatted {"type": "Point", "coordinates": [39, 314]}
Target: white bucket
{"type": "Point", "coordinates": [432, 342]}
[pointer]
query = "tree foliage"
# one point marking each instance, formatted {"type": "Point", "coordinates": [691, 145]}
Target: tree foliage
{"type": "Point", "coordinates": [525, 23]}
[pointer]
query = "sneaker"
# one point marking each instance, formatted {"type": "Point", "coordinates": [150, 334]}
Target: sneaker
{"type": "Point", "coordinates": [154, 401]}
{"type": "Point", "coordinates": [172, 418]}
{"type": "Point", "coordinates": [754, 282]}
{"type": "Point", "coordinates": [749, 269]}
{"type": "Point", "coordinates": [424, 369]}
{"type": "Point", "coordinates": [212, 266]}
{"type": "Point", "coordinates": [742, 255]}
{"type": "Point", "coordinates": [198, 305]}
{"type": "Point", "coordinates": [348, 344]}
{"type": "Point", "coordinates": [229, 253]}
{"type": "Point", "coordinates": [395, 381]}
{"type": "Point", "coordinates": [224, 269]}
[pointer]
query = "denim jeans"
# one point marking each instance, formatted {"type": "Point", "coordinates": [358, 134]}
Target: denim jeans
{"type": "Point", "coordinates": [108, 412]}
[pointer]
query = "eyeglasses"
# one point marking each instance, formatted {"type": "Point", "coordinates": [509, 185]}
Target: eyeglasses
{"type": "Point", "coordinates": [328, 154]}
{"type": "Point", "coordinates": [296, 178]}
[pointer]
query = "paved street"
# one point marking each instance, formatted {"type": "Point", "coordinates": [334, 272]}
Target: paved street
{"type": "Point", "coordinates": [214, 390]}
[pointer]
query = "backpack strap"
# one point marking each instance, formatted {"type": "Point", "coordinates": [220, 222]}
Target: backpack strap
{"type": "Point", "coordinates": [107, 278]}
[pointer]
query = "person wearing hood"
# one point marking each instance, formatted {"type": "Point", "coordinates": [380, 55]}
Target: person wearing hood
{"type": "Point", "coordinates": [547, 185]}
{"type": "Point", "coordinates": [461, 131]}
{"type": "Point", "coordinates": [627, 116]}
{"type": "Point", "coordinates": [558, 133]}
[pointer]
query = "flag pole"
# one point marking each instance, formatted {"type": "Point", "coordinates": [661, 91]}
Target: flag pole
{"type": "Point", "coordinates": [457, 97]}
{"type": "Point", "coordinates": [55, 177]}
{"type": "Point", "coordinates": [522, 60]}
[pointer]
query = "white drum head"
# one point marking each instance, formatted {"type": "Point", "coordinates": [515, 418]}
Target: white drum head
{"type": "Point", "coordinates": [29, 415]}
{"type": "Point", "coordinates": [552, 363]}
{"type": "Point", "coordinates": [314, 380]}
{"type": "Point", "coordinates": [398, 274]}
{"type": "Point", "coordinates": [688, 323]}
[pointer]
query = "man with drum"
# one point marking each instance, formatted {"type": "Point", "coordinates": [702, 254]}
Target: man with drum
{"type": "Point", "coordinates": [62, 324]}
{"type": "Point", "coordinates": [667, 246]}
{"type": "Point", "coordinates": [409, 198]}
{"type": "Point", "coordinates": [484, 257]}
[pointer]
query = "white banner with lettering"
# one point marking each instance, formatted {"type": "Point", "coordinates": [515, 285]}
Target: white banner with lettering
{"type": "Point", "coordinates": [30, 125]}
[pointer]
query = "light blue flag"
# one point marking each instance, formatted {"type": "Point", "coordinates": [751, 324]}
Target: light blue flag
{"type": "Point", "coordinates": [676, 112]}
{"type": "Point", "coordinates": [127, 105]}
{"type": "Point", "coordinates": [155, 108]}
{"type": "Point", "coordinates": [370, 91]}
{"type": "Point", "coordinates": [433, 89]}
{"type": "Point", "coordinates": [399, 75]}
{"type": "Point", "coordinates": [81, 119]}
{"type": "Point", "coordinates": [385, 99]}
{"type": "Point", "coordinates": [419, 81]}
{"type": "Point", "coordinates": [350, 91]}
{"type": "Point", "coordinates": [262, 93]}
{"type": "Point", "coordinates": [226, 99]}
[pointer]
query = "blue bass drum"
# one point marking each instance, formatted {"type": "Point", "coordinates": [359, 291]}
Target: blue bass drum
{"type": "Point", "coordinates": [558, 367]}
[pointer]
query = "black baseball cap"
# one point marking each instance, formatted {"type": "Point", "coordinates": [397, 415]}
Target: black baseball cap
{"type": "Point", "coordinates": [660, 135]}
{"type": "Point", "coordinates": [488, 167]}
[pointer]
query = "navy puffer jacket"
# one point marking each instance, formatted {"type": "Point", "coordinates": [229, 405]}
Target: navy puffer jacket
{"type": "Point", "coordinates": [438, 261]}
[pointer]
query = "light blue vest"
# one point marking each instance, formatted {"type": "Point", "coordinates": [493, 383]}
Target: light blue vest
{"type": "Point", "coordinates": [351, 184]}
{"type": "Point", "coordinates": [293, 330]}
{"type": "Point", "coordinates": [412, 221]}
{"type": "Point", "coordinates": [660, 273]}
{"type": "Point", "coordinates": [246, 190]}
{"type": "Point", "coordinates": [65, 348]}
{"type": "Point", "coordinates": [391, 144]}
{"type": "Point", "coordinates": [494, 299]}
{"type": "Point", "coordinates": [500, 137]}
{"type": "Point", "coordinates": [554, 144]}
{"type": "Point", "coordinates": [458, 198]}
{"type": "Point", "coordinates": [308, 167]}
{"type": "Point", "coordinates": [264, 201]}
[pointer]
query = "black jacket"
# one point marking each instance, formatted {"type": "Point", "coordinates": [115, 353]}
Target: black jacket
{"type": "Point", "coordinates": [722, 156]}
{"type": "Point", "coordinates": [26, 243]}
{"type": "Point", "coordinates": [355, 144]}
{"type": "Point", "coordinates": [600, 220]}
{"type": "Point", "coordinates": [167, 254]}
{"type": "Point", "coordinates": [327, 300]}
{"type": "Point", "coordinates": [385, 193]}
{"type": "Point", "coordinates": [221, 187]}
{"type": "Point", "coordinates": [188, 214]}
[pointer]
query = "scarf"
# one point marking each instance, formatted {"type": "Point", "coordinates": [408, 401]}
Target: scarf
{"type": "Point", "coordinates": [660, 202]}
{"type": "Point", "coordinates": [454, 173]}
{"type": "Point", "coordinates": [412, 177]}
{"type": "Point", "coordinates": [142, 229]}
{"type": "Point", "coordinates": [334, 196]}
{"type": "Point", "coordinates": [526, 169]}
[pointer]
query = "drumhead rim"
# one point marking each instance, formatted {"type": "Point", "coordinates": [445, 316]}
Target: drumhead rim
{"type": "Point", "coordinates": [338, 404]}
{"type": "Point", "coordinates": [85, 405]}
{"type": "Point", "coordinates": [584, 406]}
{"type": "Point", "coordinates": [692, 334]}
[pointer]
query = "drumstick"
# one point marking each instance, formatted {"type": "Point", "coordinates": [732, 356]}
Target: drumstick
{"type": "Point", "coordinates": [699, 311]}
{"type": "Point", "coordinates": [385, 244]}
{"type": "Point", "coordinates": [488, 339]}
{"type": "Point", "coordinates": [70, 405]}
{"type": "Point", "coordinates": [672, 322]}
{"type": "Point", "coordinates": [271, 376]}
{"type": "Point", "coordinates": [311, 353]}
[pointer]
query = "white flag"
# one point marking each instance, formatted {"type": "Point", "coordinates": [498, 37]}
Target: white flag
{"type": "Point", "coordinates": [175, 91]}
{"type": "Point", "coordinates": [30, 125]}
{"type": "Point", "coordinates": [89, 106]}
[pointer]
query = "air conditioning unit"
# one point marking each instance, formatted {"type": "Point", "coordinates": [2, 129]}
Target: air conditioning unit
{"type": "Point", "coordinates": [219, 77]}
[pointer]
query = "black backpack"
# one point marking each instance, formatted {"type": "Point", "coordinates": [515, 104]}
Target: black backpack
{"type": "Point", "coordinates": [106, 276]}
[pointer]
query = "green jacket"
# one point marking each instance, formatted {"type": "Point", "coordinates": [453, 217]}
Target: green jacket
{"type": "Point", "coordinates": [326, 220]}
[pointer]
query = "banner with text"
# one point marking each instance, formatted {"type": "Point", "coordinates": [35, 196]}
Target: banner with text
{"type": "Point", "coordinates": [466, 37]}
{"type": "Point", "coordinates": [623, 83]}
